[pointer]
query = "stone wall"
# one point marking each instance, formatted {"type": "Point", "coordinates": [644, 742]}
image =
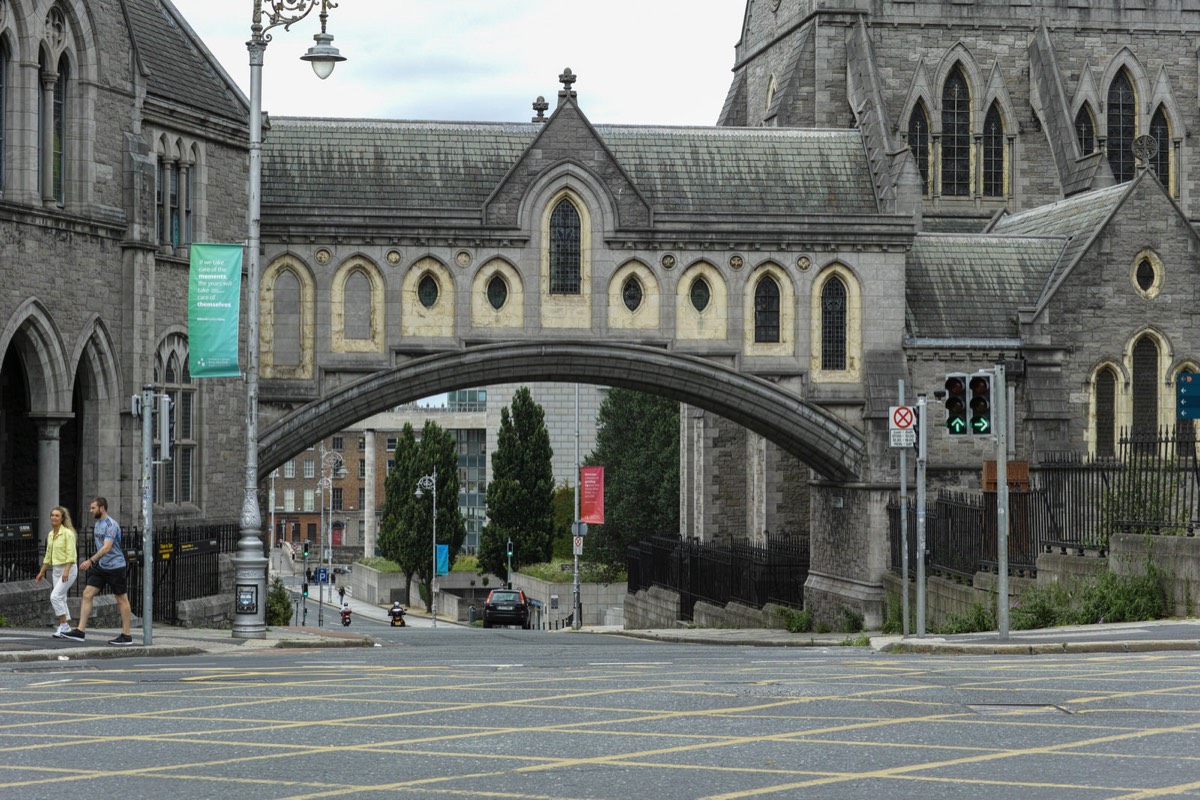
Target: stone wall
{"type": "Point", "coordinates": [1178, 561]}
{"type": "Point", "coordinates": [597, 600]}
{"type": "Point", "coordinates": [651, 608]}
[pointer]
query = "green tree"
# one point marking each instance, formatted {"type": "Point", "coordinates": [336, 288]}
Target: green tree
{"type": "Point", "coordinates": [638, 446]}
{"type": "Point", "coordinates": [520, 494]}
{"type": "Point", "coordinates": [406, 524]}
{"type": "Point", "coordinates": [279, 603]}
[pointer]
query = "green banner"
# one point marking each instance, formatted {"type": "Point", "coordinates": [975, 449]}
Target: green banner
{"type": "Point", "coordinates": [214, 304]}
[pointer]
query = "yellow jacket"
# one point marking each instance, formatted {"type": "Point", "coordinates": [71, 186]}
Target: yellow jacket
{"type": "Point", "coordinates": [60, 549]}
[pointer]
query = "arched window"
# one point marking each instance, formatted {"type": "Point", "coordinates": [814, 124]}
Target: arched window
{"type": "Point", "coordinates": [631, 293]}
{"type": "Point", "coordinates": [700, 294]}
{"type": "Point", "coordinates": [833, 324]}
{"type": "Point", "coordinates": [1161, 161]}
{"type": "Point", "coordinates": [918, 142]}
{"type": "Point", "coordinates": [1085, 130]}
{"type": "Point", "coordinates": [497, 292]}
{"type": "Point", "coordinates": [52, 129]}
{"type": "Point", "coordinates": [1106, 412]}
{"type": "Point", "coordinates": [176, 478]}
{"type": "Point", "coordinates": [766, 310]}
{"type": "Point", "coordinates": [956, 135]}
{"type": "Point", "coordinates": [4, 60]}
{"type": "Point", "coordinates": [357, 306]}
{"type": "Point", "coordinates": [1145, 387]}
{"type": "Point", "coordinates": [1122, 127]}
{"type": "Point", "coordinates": [993, 153]}
{"type": "Point", "coordinates": [427, 290]}
{"type": "Point", "coordinates": [285, 343]}
{"type": "Point", "coordinates": [564, 249]}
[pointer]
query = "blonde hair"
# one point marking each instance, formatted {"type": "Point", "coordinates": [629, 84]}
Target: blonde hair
{"type": "Point", "coordinates": [66, 517]}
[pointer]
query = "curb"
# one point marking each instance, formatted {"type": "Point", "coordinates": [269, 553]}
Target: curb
{"type": "Point", "coordinates": [1060, 648]}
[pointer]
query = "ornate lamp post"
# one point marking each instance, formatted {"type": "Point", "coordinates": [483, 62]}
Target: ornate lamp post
{"type": "Point", "coordinates": [250, 566]}
{"type": "Point", "coordinates": [430, 482]}
{"type": "Point", "coordinates": [331, 468]}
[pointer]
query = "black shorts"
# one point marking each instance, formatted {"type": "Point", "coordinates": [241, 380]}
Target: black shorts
{"type": "Point", "coordinates": [112, 578]}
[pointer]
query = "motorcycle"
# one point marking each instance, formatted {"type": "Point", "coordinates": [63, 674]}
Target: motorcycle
{"type": "Point", "coordinates": [345, 617]}
{"type": "Point", "coordinates": [397, 615]}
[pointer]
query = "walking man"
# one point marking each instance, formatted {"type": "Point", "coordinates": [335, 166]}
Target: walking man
{"type": "Point", "coordinates": [106, 568]}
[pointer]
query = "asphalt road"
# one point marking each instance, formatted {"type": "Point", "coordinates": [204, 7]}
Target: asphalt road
{"type": "Point", "coordinates": [464, 712]}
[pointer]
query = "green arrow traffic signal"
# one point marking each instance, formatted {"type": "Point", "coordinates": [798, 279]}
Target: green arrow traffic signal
{"type": "Point", "coordinates": [957, 424]}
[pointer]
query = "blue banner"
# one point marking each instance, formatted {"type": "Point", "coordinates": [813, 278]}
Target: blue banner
{"type": "Point", "coordinates": [443, 559]}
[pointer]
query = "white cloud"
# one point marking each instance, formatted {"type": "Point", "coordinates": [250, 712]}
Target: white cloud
{"type": "Point", "coordinates": [647, 61]}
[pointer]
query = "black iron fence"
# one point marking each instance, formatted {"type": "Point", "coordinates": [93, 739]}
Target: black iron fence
{"type": "Point", "coordinates": [1151, 486]}
{"type": "Point", "coordinates": [749, 574]}
{"type": "Point", "coordinates": [186, 562]}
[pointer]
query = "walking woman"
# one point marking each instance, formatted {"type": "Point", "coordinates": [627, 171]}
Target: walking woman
{"type": "Point", "coordinates": [61, 556]}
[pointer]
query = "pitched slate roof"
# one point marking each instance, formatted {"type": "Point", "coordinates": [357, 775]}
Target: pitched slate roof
{"type": "Point", "coordinates": [456, 165]}
{"type": "Point", "coordinates": [1077, 218]}
{"type": "Point", "coordinates": [180, 68]}
{"type": "Point", "coordinates": [971, 286]}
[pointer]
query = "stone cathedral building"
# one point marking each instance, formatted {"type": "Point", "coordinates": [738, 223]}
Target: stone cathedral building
{"type": "Point", "coordinates": [121, 142]}
{"type": "Point", "coordinates": [893, 189]}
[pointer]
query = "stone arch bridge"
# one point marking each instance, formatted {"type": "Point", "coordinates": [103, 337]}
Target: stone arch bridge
{"type": "Point", "coordinates": [813, 435]}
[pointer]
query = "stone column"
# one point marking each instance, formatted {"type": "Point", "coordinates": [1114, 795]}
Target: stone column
{"type": "Point", "coordinates": [48, 467]}
{"type": "Point", "coordinates": [49, 79]}
{"type": "Point", "coordinates": [368, 508]}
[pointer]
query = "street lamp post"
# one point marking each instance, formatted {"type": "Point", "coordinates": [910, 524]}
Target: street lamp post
{"type": "Point", "coordinates": [250, 567]}
{"type": "Point", "coordinates": [331, 468]}
{"type": "Point", "coordinates": [430, 482]}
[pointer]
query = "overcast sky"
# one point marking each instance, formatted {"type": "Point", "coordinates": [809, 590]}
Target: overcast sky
{"type": "Point", "coordinates": [637, 61]}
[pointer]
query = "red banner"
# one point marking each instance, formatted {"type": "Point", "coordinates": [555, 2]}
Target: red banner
{"type": "Point", "coordinates": [591, 495]}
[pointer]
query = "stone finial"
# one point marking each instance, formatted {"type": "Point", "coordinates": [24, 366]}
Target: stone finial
{"type": "Point", "coordinates": [567, 79]}
{"type": "Point", "coordinates": [540, 105]}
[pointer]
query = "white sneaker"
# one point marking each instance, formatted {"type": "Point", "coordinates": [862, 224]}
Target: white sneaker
{"type": "Point", "coordinates": [63, 628]}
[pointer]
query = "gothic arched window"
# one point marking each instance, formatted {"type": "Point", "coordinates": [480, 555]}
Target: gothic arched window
{"type": "Point", "coordinates": [357, 306]}
{"type": "Point", "coordinates": [1106, 413]}
{"type": "Point", "coordinates": [52, 119]}
{"type": "Point", "coordinates": [993, 153]}
{"type": "Point", "coordinates": [766, 310]}
{"type": "Point", "coordinates": [1085, 130]}
{"type": "Point", "coordinates": [833, 324]}
{"type": "Point", "coordinates": [176, 478]}
{"type": "Point", "coordinates": [1145, 387]}
{"type": "Point", "coordinates": [918, 142]}
{"type": "Point", "coordinates": [956, 135]}
{"type": "Point", "coordinates": [285, 343]}
{"type": "Point", "coordinates": [564, 249]}
{"type": "Point", "coordinates": [1122, 127]}
{"type": "Point", "coordinates": [4, 61]}
{"type": "Point", "coordinates": [497, 292]}
{"type": "Point", "coordinates": [1161, 161]}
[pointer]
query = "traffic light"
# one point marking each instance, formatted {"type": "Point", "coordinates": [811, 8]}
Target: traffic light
{"type": "Point", "coordinates": [306, 548]}
{"type": "Point", "coordinates": [510, 548]}
{"type": "Point", "coordinates": [980, 403]}
{"type": "Point", "coordinates": [956, 404]}
{"type": "Point", "coordinates": [304, 589]}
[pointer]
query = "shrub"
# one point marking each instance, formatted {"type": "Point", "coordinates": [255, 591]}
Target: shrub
{"type": "Point", "coordinates": [796, 621]}
{"type": "Point", "coordinates": [379, 563]}
{"type": "Point", "coordinates": [1107, 597]}
{"type": "Point", "coordinates": [852, 621]}
{"type": "Point", "coordinates": [893, 614]}
{"type": "Point", "coordinates": [976, 619]}
{"type": "Point", "coordinates": [279, 604]}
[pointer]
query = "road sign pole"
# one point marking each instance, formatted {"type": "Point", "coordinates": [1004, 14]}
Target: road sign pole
{"type": "Point", "coordinates": [1000, 396]}
{"type": "Point", "coordinates": [921, 459]}
{"type": "Point", "coordinates": [903, 527]}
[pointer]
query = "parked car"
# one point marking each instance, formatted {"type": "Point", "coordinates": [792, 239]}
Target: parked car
{"type": "Point", "coordinates": [342, 570]}
{"type": "Point", "coordinates": [506, 607]}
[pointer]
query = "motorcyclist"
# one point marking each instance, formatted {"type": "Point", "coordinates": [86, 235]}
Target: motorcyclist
{"type": "Point", "coordinates": [345, 610]}
{"type": "Point", "coordinates": [396, 613]}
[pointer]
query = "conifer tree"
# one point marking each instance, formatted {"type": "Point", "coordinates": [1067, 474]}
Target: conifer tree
{"type": "Point", "coordinates": [520, 494]}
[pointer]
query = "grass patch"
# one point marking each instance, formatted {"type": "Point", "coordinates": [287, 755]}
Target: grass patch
{"type": "Point", "coordinates": [796, 621]}
{"type": "Point", "coordinates": [562, 570]}
{"type": "Point", "coordinates": [379, 563]}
